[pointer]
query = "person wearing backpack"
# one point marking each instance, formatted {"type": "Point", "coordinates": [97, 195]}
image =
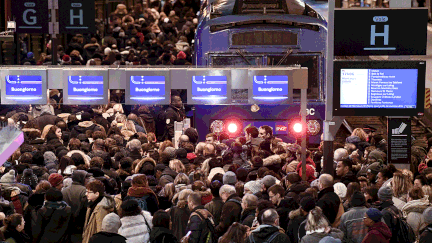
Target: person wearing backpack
{"type": "Point", "coordinates": [400, 229]}
{"type": "Point", "coordinates": [231, 210]}
{"type": "Point", "coordinates": [269, 231]}
{"type": "Point", "coordinates": [378, 231]}
{"type": "Point", "coordinates": [141, 192]}
{"type": "Point", "coordinates": [200, 224]}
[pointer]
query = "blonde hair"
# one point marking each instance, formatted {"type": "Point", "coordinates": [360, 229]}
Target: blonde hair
{"type": "Point", "coordinates": [401, 184]}
{"type": "Point", "coordinates": [360, 133]}
{"type": "Point", "coordinates": [427, 190]}
{"type": "Point", "coordinates": [181, 178]}
{"type": "Point", "coordinates": [316, 220]}
{"type": "Point", "coordinates": [182, 197]}
{"type": "Point", "coordinates": [169, 191]}
{"type": "Point", "coordinates": [46, 130]}
{"type": "Point", "coordinates": [177, 166]}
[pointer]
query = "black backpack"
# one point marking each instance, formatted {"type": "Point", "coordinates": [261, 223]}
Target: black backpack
{"type": "Point", "coordinates": [208, 224]}
{"type": "Point", "coordinates": [401, 230]}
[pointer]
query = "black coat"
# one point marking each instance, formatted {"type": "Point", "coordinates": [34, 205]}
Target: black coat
{"type": "Point", "coordinates": [105, 237]}
{"type": "Point", "coordinates": [46, 119]}
{"type": "Point", "coordinates": [349, 177]}
{"type": "Point", "coordinates": [162, 235]}
{"type": "Point", "coordinates": [52, 223]}
{"type": "Point", "coordinates": [426, 235]}
{"type": "Point", "coordinates": [231, 212]}
{"type": "Point", "coordinates": [248, 216]}
{"type": "Point", "coordinates": [329, 202]}
{"type": "Point", "coordinates": [180, 216]}
{"type": "Point", "coordinates": [196, 225]}
{"type": "Point", "coordinates": [35, 202]}
{"type": "Point", "coordinates": [265, 233]}
{"type": "Point", "coordinates": [172, 114]}
{"type": "Point", "coordinates": [296, 226]}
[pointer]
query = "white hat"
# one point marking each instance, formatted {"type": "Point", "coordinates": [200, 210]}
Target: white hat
{"type": "Point", "coordinates": [340, 189]}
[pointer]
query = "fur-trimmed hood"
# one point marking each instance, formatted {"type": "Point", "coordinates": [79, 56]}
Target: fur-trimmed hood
{"type": "Point", "coordinates": [417, 206]}
{"type": "Point", "coordinates": [294, 213]}
{"type": "Point", "coordinates": [85, 124]}
{"type": "Point", "coordinates": [142, 162]}
{"type": "Point", "coordinates": [272, 160]}
{"type": "Point", "coordinates": [85, 156]}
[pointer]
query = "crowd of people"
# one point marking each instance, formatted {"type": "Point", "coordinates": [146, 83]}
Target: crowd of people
{"type": "Point", "coordinates": [95, 174]}
{"type": "Point", "coordinates": [151, 33]}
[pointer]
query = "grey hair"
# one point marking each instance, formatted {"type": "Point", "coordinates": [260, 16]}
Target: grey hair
{"type": "Point", "coordinates": [134, 145]}
{"type": "Point", "coordinates": [250, 200]}
{"type": "Point", "coordinates": [227, 189]}
{"type": "Point", "coordinates": [326, 180]}
{"type": "Point", "coordinates": [340, 154]}
{"type": "Point", "coordinates": [269, 216]}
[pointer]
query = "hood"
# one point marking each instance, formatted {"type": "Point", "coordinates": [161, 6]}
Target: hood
{"type": "Point", "coordinates": [107, 203]}
{"type": "Point", "coordinates": [79, 176]}
{"type": "Point", "coordinates": [272, 160]}
{"type": "Point", "coordinates": [36, 199]}
{"type": "Point", "coordinates": [158, 231]}
{"type": "Point", "coordinates": [416, 206]}
{"type": "Point", "coordinates": [170, 172]}
{"type": "Point", "coordinates": [295, 213]}
{"type": "Point", "coordinates": [55, 205]}
{"type": "Point", "coordinates": [85, 156]}
{"type": "Point", "coordinates": [298, 187]}
{"type": "Point", "coordinates": [147, 118]}
{"type": "Point", "coordinates": [86, 124]}
{"type": "Point", "coordinates": [264, 231]}
{"type": "Point", "coordinates": [38, 171]}
{"type": "Point", "coordinates": [142, 162]}
{"type": "Point", "coordinates": [382, 228]}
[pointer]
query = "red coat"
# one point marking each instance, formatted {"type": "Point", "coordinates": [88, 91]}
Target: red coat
{"type": "Point", "coordinates": [378, 233]}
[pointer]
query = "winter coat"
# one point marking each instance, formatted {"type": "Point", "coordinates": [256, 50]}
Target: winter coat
{"type": "Point", "coordinates": [93, 220]}
{"type": "Point", "coordinates": [413, 212]}
{"type": "Point", "coordinates": [46, 119]}
{"type": "Point", "coordinates": [180, 215]}
{"type": "Point", "coordinates": [162, 235]}
{"type": "Point", "coordinates": [144, 193]}
{"type": "Point", "coordinates": [352, 225]}
{"type": "Point", "coordinates": [52, 223]}
{"type": "Point", "coordinates": [172, 114]}
{"type": "Point", "coordinates": [285, 206]}
{"type": "Point", "coordinates": [85, 156]}
{"type": "Point", "coordinates": [12, 235]}
{"type": "Point", "coordinates": [82, 128]}
{"type": "Point", "coordinates": [105, 237]}
{"type": "Point", "coordinates": [426, 235]}
{"type": "Point", "coordinates": [315, 237]}
{"type": "Point", "coordinates": [298, 187]}
{"type": "Point", "coordinates": [34, 203]}
{"type": "Point", "coordinates": [296, 226]}
{"type": "Point", "coordinates": [215, 208]}
{"type": "Point", "coordinates": [144, 161]}
{"type": "Point", "coordinates": [196, 224]}
{"type": "Point", "coordinates": [264, 232]}
{"type": "Point", "coordinates": [273, 162]}
{"type": "Point", "coordinates": [329, 202]}
{"type": "Point", "coordinates": [168, 176]}
{"type": "Point", "coordinates": [135, 229]}
{"type": "Point", "coordinates": [349, 177]}
{"type": "Point", "coordinates": [389, 218]}
{"type": "Point", "coordinates": [248, 216]}
{"type": "Point", "coordinates": [378, 233]}
{"type": "Point", "coordinates": [75, 197]}
{"type": "Point", "coordinates": [231, 212]}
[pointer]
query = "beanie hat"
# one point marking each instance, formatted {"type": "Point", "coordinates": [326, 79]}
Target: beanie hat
{"type": "Point", "coordinates": [340, 189]}
{"type": "Point", "coordinates": [375, 155]}
{"type": "Point", "coordinates": [310, 173]}
{"type": "Point", "coordinates": [214, 171]}
{"type": "Point", "coordinates": [253, 186]}
{"type": "Point", "coordinates": [242, 174]}
{"type": "Point", "coordinates": [307, 203]}
{"type": "Point", "coordinates": [49, 157]}
{"type": "Point", "coordinates": [191, 156]}
{"type": "Point", "coordinates": [374, 214]}
{"type": "Point", "coordinates": [85, 116]}
{"type": "Point", "coordinates": [8, 177]}
{"type": "Point", "coordinates": [111, 223]}
{"type": "Point", "coordinates": [53, 195]}
{"type": "Point", "coordinates": [229, 178]}
{"type": "Point", "coordinates": [171, 152]}
{"type": "Point", "coordinates": [66, 59]}
{"type": "Point", "coordinates": [29, 178]}
{"type": "Point", "coordinates": [427, 216]}
{"type": "Point", "coordinates": [181, 55]}
{"type": "Point", "coordinates": [385, 193]}
{"type": "Point", "coordinates": [181, 153]}
{"type": "Point", "coordinates": [358, 199]}
{"type": "Point", "coordinates": [330, 239]}
{"type": "Point", "coordinates": [55, 179]}
{"type": "Point", "coordinates": [30, 55]}
{"type": "Point", "coordinates": [268, 181]}
{"type": "Point", "coordinates": [375, 168]}
{"type": "Point", "coordinates": [107, 51]}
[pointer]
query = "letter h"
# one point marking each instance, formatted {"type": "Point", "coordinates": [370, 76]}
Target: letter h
{"type": "Point", "coordinates": [80, 16]}
{"type": "Point", "coordinates": [385, 34]}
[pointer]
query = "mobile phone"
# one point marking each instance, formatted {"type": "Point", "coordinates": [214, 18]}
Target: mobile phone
{"type": "Point", "coordinates": [188, 234]}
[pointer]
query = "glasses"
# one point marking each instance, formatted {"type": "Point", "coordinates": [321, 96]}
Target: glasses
{"type": "Point", "coordinates": [89, 192]}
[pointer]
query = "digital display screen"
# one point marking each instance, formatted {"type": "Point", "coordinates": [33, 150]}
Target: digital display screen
{"type": "Point", "coordinates": [209, 85]}
{"type": "Point", "coordinates": [150, 86]}
{"type": "Point", "coordinates": [378, 88]}
{"type": "Point", "coordinates": [270, 85]}
{"type": "Point", "coordinates": [23, 85]}
{"type": "Point", "coordinates": [86, 85]}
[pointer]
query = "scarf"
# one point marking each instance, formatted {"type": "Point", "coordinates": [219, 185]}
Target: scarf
{"type": "Point", "coordinates": [92, 204]}
{"type": "Point", "coordinates": [55, 205]}
{"type": "Point", "coordinates": [141, 191]}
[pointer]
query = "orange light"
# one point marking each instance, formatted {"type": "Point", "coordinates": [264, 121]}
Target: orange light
{"type": "Point", "coordinates": [298, 127]}
{"type": "Point", "coordinates": [232, 128]}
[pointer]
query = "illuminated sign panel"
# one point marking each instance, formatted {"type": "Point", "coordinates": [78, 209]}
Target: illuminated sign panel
{"type": "Point", "coordinates": [270, 85]}
{"type": "Point", "coordinates": [209, 86]}
{"type": "Point", "coordinates": [24, 85]}
{"type": "Point", "coordinates": [85, 86]}
{"type": "Point", "coordinates": [142, 87]}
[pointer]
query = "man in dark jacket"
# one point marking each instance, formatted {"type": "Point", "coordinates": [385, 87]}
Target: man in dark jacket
{"type": "Point", "coordinates": [216, 204]}
{"type": "Point", "coordinates": [75, 197]}
{"type": "Point", "coordinates": [328, 200]}
{"type": "Point", "coordinates": [269, 230]}
{"type": "Point", "coordinates": [249, 205]}
{"type": "Point", "coordinates": [296, 226]}
{"type": "Point", "coordinates": [84, 125]}
{"type": "Point", "coordinates": [426, 236]}
{"type": "Point", "coordinates": [108, 234]}
{"type": "Point", "coordinates": [46, 118]}
{"type": "Point", "coordinates": [344, 173]}
{"type": "Point", "coordinates": [53, 219]}
{"type": "Point", "coordinates": [173, 113]}
{"type": "Point", "coordinates": [389, 211]}
{"type": "Point", "coordinates": [231, 210]}
{"type": "Point", "coordinates": [197, 219]}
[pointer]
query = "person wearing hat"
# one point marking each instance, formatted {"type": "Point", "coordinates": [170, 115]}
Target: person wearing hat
{"type": "Point", "coordinates": [75, 197]}
{"type": "Point", "coordinates": [352, 221]}
{"type": "Point", "coordinates": [378, 232]}
{"type": "Point", "coordinates": [56, 180]}
{"type": "Point", "coordinates": [110, 226]}
{"type": "Point", "coordinates": [229, 178]}
{"type": "Point", "coordinates": [373, 170]}
{"type": "Point", "coordinates": [296, 226]}
{"type": "Point", "coordinates": [253, 187]}
{"type": "Point", "coordinates": [390, 213]}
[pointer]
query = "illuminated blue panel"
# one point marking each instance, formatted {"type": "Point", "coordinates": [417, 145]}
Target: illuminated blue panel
{"type": "Point", "coordinates": [147, 87]}
{"type": "Point", "coordinates": [270, 85]}
{"type": "Point", "coordinates": [23, 85]}
{"type": "Point", "coordinates": [209, 86]}
{"type": "Point", "coordinates": [85, 85]}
